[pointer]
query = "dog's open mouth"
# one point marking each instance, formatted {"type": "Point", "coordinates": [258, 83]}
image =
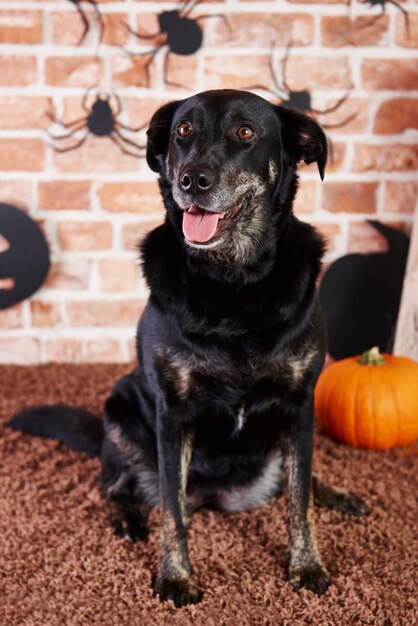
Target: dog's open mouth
{"type": "Point", "coordinates": [200, 225]}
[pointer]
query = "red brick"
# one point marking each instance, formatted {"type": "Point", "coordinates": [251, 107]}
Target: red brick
{"type": "Point", "coordinates": [12, 317]}
{"type": "Point", "coordinates": [140, 110]}
{"type": "Point", "coordinates": [131, 71]}
{"type": "Point", "coordinates": [19, 350]}
{"type": "Point", "coordinates": [338, 31]}
{"type": "Point", "coordinates": [73, 71]}
{"type": "Point", "coordinates": [18, 70]}
{"type": "Point", "coordinates": [306, 197]}
{"type": "Point", "coordinates": [16, 192]}
{"type": "Point", "coordinates": [21, 154]}
{"type": "Point", "coordinates": [401, 196]}
{"type": "Point", "coordinates": [115, 34]}
{"type": "Point", "coordinates": [119, 274]}
{"type": "Point", "coordinates": [350, 197]}
{"type": "Point", "coordinates": [394, 74]}
{"type": "Point", "coordinates": [68, 275]}
{"type": "Point", "coordinates": [21, 27]}
{"type": "Point", "coordinates": [27, 112]}
{"type": "Point", "coordinates": [331, 234]}
{"type": "Point", "coordinates": [116, 313]}
{"type": "Point", "coordinates": [44, 313]}
{"type": "Point", "coordinates": [397, 115]}
{"type": "Point", "coordinates": [403, 38]}
{"type": "Point", "coordinates": [310, 72]}
{"type": "Point", "coordinates": [132, 234]}
{"type": "Point", "coordinates": [261, 29]}
{"type": "Point", "coordinates": [130, 197]}
{"type": "Point", "coordinates": [64, 194]}
{"type": "Point", "coordinates": [237, 72]}
{"type": "Point", "coordinates": [97, 154]}
{"type": "Point", "coordinates": [77, 236]}
{"type": "Point", "coordinates": [385, 158]}
{"type": "Point", "coordinates": [100, 350]}
{"type": "Point", "coordinates": [182, 71]}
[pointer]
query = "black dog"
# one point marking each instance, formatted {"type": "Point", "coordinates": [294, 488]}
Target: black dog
{"type": "Point", "coordinates": [230, 344]}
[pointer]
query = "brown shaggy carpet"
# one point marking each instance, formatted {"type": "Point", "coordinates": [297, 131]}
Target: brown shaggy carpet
{"type": "Point", "coordinates": [61, 565]}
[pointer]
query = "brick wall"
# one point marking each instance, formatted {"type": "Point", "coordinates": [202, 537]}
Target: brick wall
{"type": "Point", "coordinates": [94, 203]}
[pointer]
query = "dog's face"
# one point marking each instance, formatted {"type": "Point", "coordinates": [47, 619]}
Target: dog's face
{"type": "Point", "coordinates": [226, 156]}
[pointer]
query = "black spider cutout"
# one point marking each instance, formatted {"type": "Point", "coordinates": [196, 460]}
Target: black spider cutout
{"type": "Point", "coordinates": [101, 121]}
{"type": "Point", "coordinates": [86, 23]}
{"type": "Point", "coordinates": [183, 35]}
{"type": "Point", "coordinates": [301, 100]}
{"type": "Point", "coordinates": [382, 4]}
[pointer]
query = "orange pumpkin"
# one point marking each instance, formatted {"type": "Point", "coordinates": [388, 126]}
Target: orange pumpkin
{"type": "Point", "coordinates": [369, 401]}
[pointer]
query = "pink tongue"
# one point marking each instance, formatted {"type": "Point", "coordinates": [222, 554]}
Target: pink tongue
{"type": "Point", "coordinates": [199, 225]}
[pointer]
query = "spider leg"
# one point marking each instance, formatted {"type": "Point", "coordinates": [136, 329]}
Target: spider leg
{"type": "Point", "coordinates": [65, 124]}
{"type": "Point", "coordinates": [136, 33]}
{"type": "Point", "coordinates": [122, 148]}
{"type": "Point", "coordinates": [86, 24]}
{"type": "Point", "coordinates": [223, 18]}
{"type": "Point", "coordinates": [133, 129]}
{"type": "Point", "coordinates": [335, 106]}
{"type": "Point", "coordinates": [405, 15]}
{"type": "Point", "coordinates": [129, 141]}
{"type": "Point", "coordinates": [165, 74]}
{"type": "Point", "coordinates": [85, 98]}
{"type": "Point", "coordinates": [342, 123]}
{"type": "Point", "coordinates": [99, 18]}
{"type": "Point", "coordinates": [71, 134]}
{"type": "Point", "coordinates": [185, 10]}
{"type": "Point", "coordinates": [74, 146]}
{"type": "Point", "coordinates": [274, 74]}
{"type": "Point", "coordinates": [285, 59]}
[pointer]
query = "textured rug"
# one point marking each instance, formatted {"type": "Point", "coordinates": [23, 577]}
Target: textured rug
{"type": "Point", "coordinates": [61, 565]}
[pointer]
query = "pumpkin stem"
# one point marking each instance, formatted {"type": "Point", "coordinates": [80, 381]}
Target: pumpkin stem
{"type": "Point", "coordinates": [372, 357]}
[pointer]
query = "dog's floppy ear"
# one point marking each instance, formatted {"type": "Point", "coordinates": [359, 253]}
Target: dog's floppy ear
{"type": "Point", "coordinates": [303, 139]}
{"type": "Point", "coordinates": [158, 134]}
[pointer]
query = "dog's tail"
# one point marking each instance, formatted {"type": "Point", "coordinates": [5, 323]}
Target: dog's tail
{"type": "Point", "coordinates": [75, 427]}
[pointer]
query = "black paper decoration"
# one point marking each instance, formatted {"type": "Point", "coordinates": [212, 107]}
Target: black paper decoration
{"type": "Point", "coordinates": [300, 100]}
{"type": "Point", "coordinates": [360, 295]}
{"type": "Point", "coordinates": [101, 120]}
{"type": "Point", "coordinates": [26, 261]}
{"type": "Point", "coordinates": [382, 4]}
{"type": "Point", "coordinates": [183, 35]}
{"type": "Point", "coordinates": [86, 23]}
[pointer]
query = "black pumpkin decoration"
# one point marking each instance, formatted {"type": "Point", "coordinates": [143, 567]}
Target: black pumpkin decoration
{"type": "Point", "coordinates": [360, 295]}
{"type": "Point", "coordinates": [26, 260]}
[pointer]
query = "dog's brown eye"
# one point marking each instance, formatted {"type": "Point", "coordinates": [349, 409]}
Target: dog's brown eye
{"type": "Point", "coordinates": [245, 133]}
{"type": "Point", "coordinates": [184, 129]}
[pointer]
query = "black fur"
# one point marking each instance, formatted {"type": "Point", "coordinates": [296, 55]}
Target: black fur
{"type": "Point", "coordinates": [75, 427]}
{"type": "Point", "coordinates": [231, 342]}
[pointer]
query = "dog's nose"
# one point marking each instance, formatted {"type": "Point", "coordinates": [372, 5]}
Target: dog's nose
{"type": "Point", "coordinates": [196, 179]}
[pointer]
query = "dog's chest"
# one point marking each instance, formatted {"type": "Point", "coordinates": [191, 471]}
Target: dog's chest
{"type": "Point", "coordinates": [235, 384]}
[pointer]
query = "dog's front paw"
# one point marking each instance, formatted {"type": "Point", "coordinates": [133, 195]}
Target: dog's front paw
{"type": "Point", "coordinates": [181, 592]}
{"type": "Point", "coordinates": [133, 529]}
{"type": "Point", "coordinates": [312, 576]}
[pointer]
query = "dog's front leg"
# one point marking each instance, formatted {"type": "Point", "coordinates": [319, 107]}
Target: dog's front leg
{"type": "Point", "coordinates": [305, 568]}
{"type": "Point", "coordinates": [173, 581]}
